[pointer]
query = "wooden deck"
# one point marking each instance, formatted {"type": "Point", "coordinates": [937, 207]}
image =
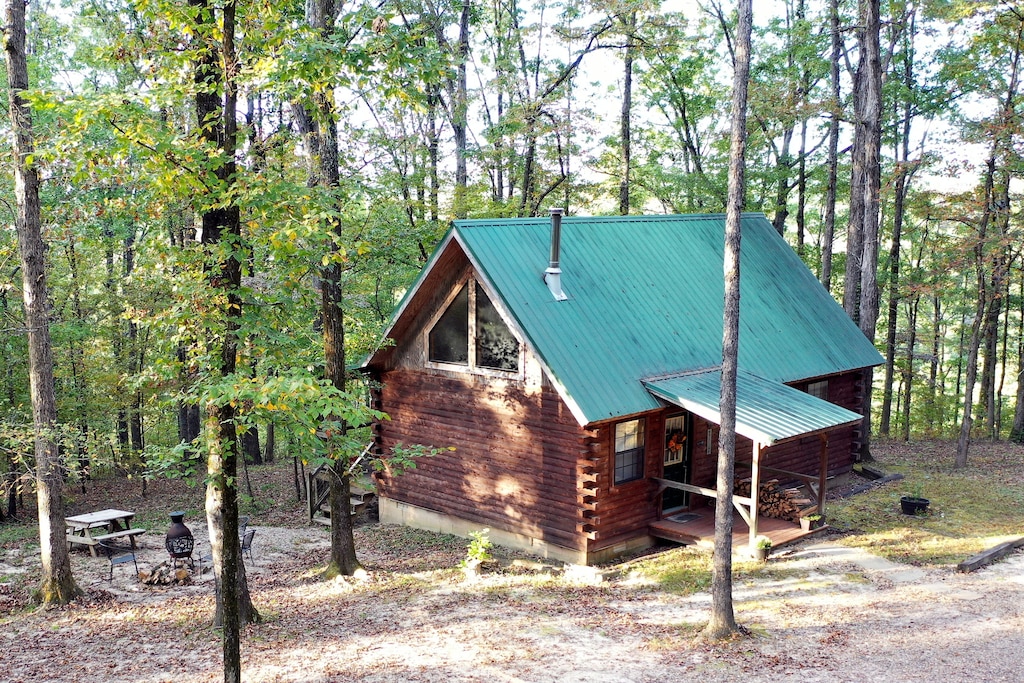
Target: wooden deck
{"type": "Point", "coordinates": [699, 530]}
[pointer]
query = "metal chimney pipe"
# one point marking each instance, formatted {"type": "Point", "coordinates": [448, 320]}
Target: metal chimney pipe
{"type": "Point", "coordinates": [553, 274]}
{"type": "Point", "coordinates": [556, 236]}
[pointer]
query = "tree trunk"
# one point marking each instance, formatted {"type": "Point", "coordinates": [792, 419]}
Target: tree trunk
{"type": "Point", "coordinates": [801, 194]}
{"type": "Point", "coordinates": [828, 236]}
{"type": "Point", "coordinates": [1017, 429]}
{"type": "Point", "coordinates": [251, 445]}
{"type": "Point", "coordinates": [433, 156]}
{"type": "Point", "coordinates": [461, 113]}
{"type": "Point", "coordinates": [893, 307]}
{"type": "Point", "coordinates": [79, 382]}
{"type": "Point", "coordinates": [325, 174]}
{"type": "Point", "coordinates": [782, 186]}
{"type": "Point", "coordinates": [627, 112]}
{"type": "Point", "coordinates": [188, 422]}
{"type": "Point", "coordinates": [134, 416]}
{"type": "Point", "coordinates": [723, 621]}
{"type": "Point", "coordinates": [58, 585]}
{"type": "Point", "coordinates": [990, 338]}
{"type": "Point", "coordinates": [997, 208]}
{"type": "Point", "coordinates": [343, 545]}
{"type": "Point", "coordinates": [967, 419]}
{"type": "Point", "coordinates": [933, 367]}
{"type": "Point", "coordinates": [269, 444]}
{"type": "Point", "coordinates": [909, 372]}
{"type": "Point", "coordinates": [222, 232]}
{"type": "Point", "coordinates": [861, 285]}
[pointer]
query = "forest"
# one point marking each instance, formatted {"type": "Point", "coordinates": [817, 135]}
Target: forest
{"type": "Point", "coordinates": [321, 150]}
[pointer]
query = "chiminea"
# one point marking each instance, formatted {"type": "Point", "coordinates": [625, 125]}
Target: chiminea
{"type": "Point", "coordinates": [179, 539]}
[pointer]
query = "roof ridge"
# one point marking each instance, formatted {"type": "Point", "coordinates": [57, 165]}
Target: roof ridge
{"type": "Point", "coordinates": [645, 218]}
{"type": "Point", "coordinates": [684, 373]}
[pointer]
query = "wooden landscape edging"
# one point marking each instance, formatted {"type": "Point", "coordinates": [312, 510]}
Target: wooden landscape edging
{"type": "Point", "coordinates": [989, 556]}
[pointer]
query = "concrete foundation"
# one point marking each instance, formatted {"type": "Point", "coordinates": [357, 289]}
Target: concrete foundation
{"type": "Point", "coordinates": [395, 512]}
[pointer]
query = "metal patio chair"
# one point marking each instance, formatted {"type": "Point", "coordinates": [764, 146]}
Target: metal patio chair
{"type": "Point", "coordinates": [247, 545]}
{"type": "Point", "coordinates": [118, 555]}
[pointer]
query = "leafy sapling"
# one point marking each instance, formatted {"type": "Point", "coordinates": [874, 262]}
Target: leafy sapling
{"type": "Point", "coordinates": [479, 549]}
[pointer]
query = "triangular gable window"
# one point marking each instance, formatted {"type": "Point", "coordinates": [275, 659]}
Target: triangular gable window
{"type": "Point", "coordinates": [471, 332]}
{"type": "Point", "coordinates": [495, 346]}
{"type": "Point", "coordinates": [449, 339]}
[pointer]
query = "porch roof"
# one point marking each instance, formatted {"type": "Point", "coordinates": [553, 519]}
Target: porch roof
{"type": "Point", "coordinates": [766, 412]}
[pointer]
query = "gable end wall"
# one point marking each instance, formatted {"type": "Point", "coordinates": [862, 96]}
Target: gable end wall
{"type": "Point", "coordinates": [514, 467]}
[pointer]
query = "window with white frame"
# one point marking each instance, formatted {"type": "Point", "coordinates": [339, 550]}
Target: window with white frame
{"type": "Point", "coordinates": [471, 333]}
{"type": "Point", "coordinates": [629, 451]}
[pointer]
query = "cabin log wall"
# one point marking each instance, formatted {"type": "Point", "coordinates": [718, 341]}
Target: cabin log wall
{"type": "Point", "coordinates": [517, 460]}
{"type": "Point", "coordinates": [619, 514]}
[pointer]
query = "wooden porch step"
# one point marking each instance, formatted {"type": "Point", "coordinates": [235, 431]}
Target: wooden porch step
{"type": "Point", "coordinates": [670, 531]}
{"type": "Point", "coordinates": [357, 501]}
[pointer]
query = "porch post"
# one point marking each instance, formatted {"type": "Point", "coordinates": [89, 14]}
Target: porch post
{"type": "Point", "coordinates": [755, 492]}
{"type": "Point", "coordinates": [822, 472]}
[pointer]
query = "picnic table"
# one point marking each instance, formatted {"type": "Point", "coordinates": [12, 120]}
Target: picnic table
{"type": "Point", "coordinates": [113, 524]}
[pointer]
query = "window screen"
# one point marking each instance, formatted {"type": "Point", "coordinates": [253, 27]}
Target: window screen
{"type": "Point", "coordinates": [449, 339]}
{"type": "Point", "coordinates": [818, 389]}
{"type": "Point", "coordinates": [495, 345]}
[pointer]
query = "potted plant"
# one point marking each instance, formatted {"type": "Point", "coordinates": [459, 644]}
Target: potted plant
{"type": "Point", "coordinates": [914, 503]}
{"type": "Point", "coordinates": [762, 548]}
{"type": "Point", "coordinates": [812, 521]}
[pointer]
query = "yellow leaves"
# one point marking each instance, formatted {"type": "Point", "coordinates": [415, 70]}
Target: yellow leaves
{"type": "Point", "coordinates": [334, 257]}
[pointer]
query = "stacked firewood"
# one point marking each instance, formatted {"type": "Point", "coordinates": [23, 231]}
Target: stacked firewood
{"type": "Point", "coordinates": [165, 575]}
{"type": "Point", "coordinates": [775, 501]}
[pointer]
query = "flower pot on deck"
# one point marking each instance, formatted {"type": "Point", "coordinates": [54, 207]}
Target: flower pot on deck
{"type": "Point", "coordinates": [912, 505]}
{"type": "Point", "coordinates": [810, 522]}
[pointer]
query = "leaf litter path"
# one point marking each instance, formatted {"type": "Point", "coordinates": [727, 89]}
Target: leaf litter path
{"type": "Point", "coordinates": [825, 613]}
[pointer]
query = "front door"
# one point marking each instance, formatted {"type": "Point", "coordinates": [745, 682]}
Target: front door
{"type": "Point", "coordinates": [677, 460]}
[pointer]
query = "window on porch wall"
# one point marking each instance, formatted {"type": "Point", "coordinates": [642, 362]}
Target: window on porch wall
{"type": "Point", "coordinates": [629, 451]}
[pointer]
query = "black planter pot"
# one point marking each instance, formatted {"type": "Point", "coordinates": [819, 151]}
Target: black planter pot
{"type": "Point", "coordinates": [911, 505]}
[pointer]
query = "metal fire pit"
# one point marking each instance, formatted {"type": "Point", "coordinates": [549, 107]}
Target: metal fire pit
{"type": "Point", "coordinates": [179, 541]}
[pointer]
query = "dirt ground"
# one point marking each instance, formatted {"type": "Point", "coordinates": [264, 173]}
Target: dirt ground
{"type": "Point", "coordinates": [824, 613]}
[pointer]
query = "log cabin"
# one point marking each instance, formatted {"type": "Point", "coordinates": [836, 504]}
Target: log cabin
{"type": "Point", "coordinates": [572, 364]}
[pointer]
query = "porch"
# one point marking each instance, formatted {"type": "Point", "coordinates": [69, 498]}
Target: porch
{"type": "Point", "coordinates": [768, 413]}
{"type": "Point", "coordinates": [697, 527]}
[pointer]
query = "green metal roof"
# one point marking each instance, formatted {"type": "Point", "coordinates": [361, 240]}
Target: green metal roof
{"type": "Point", "coordinates": [645, 298]}
{"type": "Point", "coordinates": [766, 412]}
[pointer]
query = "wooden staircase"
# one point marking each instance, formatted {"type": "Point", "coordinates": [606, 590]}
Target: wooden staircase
{"type": "Point", "coordinates": [358, 500]}
{"type": "Point", "coordinates": [318, 491]}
